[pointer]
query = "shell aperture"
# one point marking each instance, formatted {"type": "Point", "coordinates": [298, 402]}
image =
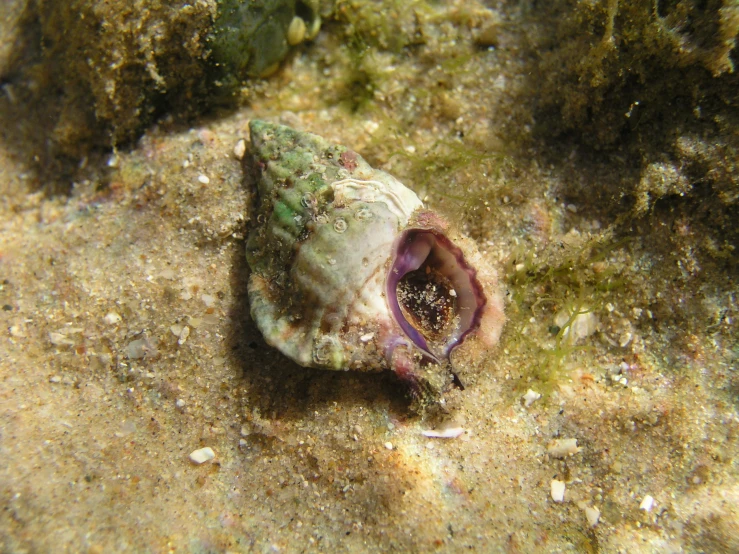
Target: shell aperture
{"type": "Point", "coordinates": [432, 292]}
{"type": "Point", "coordinates": [350, 271]}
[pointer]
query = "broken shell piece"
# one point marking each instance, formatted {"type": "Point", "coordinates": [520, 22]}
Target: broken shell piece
{"type": "Point", "coordinates": [558, 490]}
{"type": "Point", "coordinates": [240, 149]}
{"type": "Point", "coordinates": [592, 515]}
{"type": "Point", "coordinates": [58, 339]}
{"type": "Point", "coordinates": [183, 335]}
{"type": "Point", "coordinates": [202, 455]}
{"type": "Point", "coordinates": [647, 503]}
{"type": "Point", "coordinates": [449, 433]}
{"type": "Point", "coordinates": [561, 448]}
{"type": "Point", "coordinates": [578, 324]}
{"type": "Point", "coordinates": [111, 318]}
{"type": "Point", "coordinates": [530, 397]}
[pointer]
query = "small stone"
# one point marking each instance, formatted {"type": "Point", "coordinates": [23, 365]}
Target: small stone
{"type": "Point", "coordinates": [592, 515]}
{"type": "Point", "coordinates": [240, 149]}
{"type": "Point", "coordinates": [530, 397]}
{"type": "Point", "coordinates": [561, 448]}
{"type": "Point", "coordinates": [180, 403]}
{"type": "Point", "coordinates": [647, 503]}
{"type": "Point", "coordinates": [111, 318]}
{"type": "Point", "coordinates": [55, 379]}
{"type": "Point", "coordinates": [389, 445]}
{"type": "Point", "coordinates": [202, 455]}
{"type": "Point", "coordinates": [203, 179]}
{"type": "Point", "coordinates": [558, 490]}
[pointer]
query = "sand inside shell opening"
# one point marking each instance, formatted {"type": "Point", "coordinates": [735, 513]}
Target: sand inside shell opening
{"type": "Point", "coordinates": [433, 293]}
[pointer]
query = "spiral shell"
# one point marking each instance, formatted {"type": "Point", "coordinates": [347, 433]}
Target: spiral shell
{"type": "Point", "coordinates": [349, 271]}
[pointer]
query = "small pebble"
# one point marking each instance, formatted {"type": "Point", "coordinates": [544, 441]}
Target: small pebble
{"type": "Point", "coordinates": [240, 149]}
{"type": "Point", "coordinates": [389, 445]}
{"type": "Point", "coordinates": [180, 403]}
{"type": "Point", "coordinates": [558, 490]}
{"type": "Point", "coordinates": [203, 179]}
{"type": "Point", "coordinates": [647, 504]}
{"type": "Point", "coordinates": [55, 379]}
{"type": "Point", "coordinates": [137, 349]}
{"type": "Point", "coordinates": [202, 455]}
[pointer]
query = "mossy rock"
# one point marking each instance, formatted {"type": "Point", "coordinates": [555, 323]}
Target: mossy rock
{"type": "Point", "coordinates": [102, 70]}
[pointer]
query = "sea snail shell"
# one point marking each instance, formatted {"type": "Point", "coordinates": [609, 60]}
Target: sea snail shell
{"type": "Point", "coordinates": [350, 271]}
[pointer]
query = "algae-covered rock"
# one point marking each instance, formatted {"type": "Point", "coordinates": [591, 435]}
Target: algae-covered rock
{"type": "Point", "coordinates": [114, 61]}
{"type": "Point", "coordinates": [109, 67]}
{"type": "Point", "coordinates": [648, 91]}
{"type": "Point", "coordinates": [612, 66]}
{"type": "Point", "coordinates": [640, 100]}
{"type": "Point", "coordinates": [11, 35]}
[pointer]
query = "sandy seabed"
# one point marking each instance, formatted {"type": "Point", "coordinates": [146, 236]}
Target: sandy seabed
{"type": "Point", "coordinates": [126, 344]}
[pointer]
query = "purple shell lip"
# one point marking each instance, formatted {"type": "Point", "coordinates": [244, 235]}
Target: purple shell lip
{"type": "Point", "coordinates": [412, 249]}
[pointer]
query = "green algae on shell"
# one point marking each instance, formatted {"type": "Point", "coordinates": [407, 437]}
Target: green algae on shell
{"type": "Point", "coordinates": [350, 271]}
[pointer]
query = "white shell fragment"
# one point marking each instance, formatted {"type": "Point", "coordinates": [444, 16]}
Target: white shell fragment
{"type": "Point", "coordinates": [184, 334]}
{"type": "Point", "coordinates": [647, 503]}
{"type": "Point", "coordinates": [577, 326]}
{"type": "Point", "coordinates": [592, 515]}
{"type": "Point", "coordinates": [561, 448]}
{"type": "Point", "coordinates": [202, 455]}
{"type": "Point", "coordinates": [449, 433]}
{"type": "Point", "coordinates": [58, 339]}
{"type": "Point", "coordinates": [111, 318]}
{"type": "Point", "coordinates": [558, 490]}
{"type": "Point", "coordinates": [530, 397]}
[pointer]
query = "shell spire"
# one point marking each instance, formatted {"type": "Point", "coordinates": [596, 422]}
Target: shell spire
{"type": "Point", "coordinates": [350, 271]}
